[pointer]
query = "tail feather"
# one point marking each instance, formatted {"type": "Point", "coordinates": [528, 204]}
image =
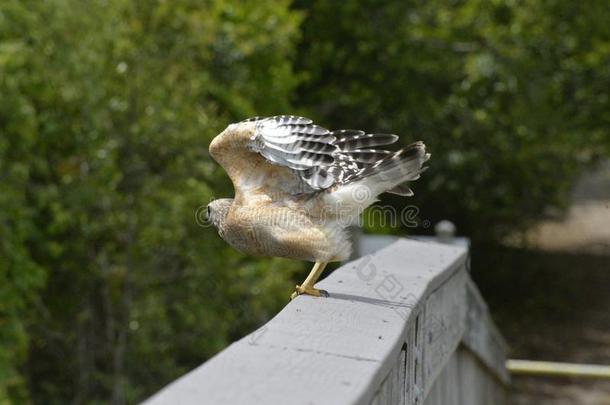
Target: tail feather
{"type": "Point", "coordinates": [401, 190]}
{"type": "Point", "coordinates": [389, 174]}
{"type": "Point", "coordinates": [401, 164]}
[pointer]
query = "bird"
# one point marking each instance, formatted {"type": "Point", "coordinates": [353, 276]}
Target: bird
{"type": "Point", "coordinates": [299, 186]}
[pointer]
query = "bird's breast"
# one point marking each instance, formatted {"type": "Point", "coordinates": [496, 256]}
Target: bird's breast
{"type": "Point", "coordinates": [272, 230]}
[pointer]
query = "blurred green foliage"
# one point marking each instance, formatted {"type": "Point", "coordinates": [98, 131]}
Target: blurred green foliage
{"type": "Point", "coordinates": [106, 111]}
{"type": "Point", "coordinates": [109, 288]}
{"type": "Point", "coordinates": [511, 97]}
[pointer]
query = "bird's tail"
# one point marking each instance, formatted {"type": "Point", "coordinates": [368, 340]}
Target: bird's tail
{"type": "Point", "coordinates": [389, 174]}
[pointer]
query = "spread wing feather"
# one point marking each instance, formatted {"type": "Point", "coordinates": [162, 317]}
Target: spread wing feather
{"type": "Point", "coordinates": [368, 156]}
{"type": "Point", "coordinates": [362, 140]}
{"type": "Point", "coordinates": [323, 158]}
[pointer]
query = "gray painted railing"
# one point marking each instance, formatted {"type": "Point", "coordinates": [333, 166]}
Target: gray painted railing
{"type": "Point", "coordinates": [404, 325]}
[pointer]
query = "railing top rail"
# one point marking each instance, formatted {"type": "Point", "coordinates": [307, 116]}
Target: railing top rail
{"type": "Point", "coordinates": [338, 350]}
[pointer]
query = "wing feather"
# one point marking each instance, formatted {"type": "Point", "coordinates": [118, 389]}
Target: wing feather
{"type": "Point", "coordinates": [368, 156]}
{"type": "Point", "coordinates": [321, 158]}
{"type": "Point", "coordinates": [362, 140]}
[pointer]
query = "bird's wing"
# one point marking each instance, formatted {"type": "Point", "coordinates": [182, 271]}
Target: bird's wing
{"type": "Point", "coordinates": [321, 158]}
{"type": "Point", "coordinates": [295, 156]}
{"type": "Point", "coordinates": [298, 144]}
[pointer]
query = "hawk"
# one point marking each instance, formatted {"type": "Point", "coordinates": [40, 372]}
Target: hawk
{"type": "Point", "coordinates": [298, 186]}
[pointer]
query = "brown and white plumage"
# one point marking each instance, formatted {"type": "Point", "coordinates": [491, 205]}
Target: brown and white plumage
{"type": "Point", "coordinates": [299, 185]}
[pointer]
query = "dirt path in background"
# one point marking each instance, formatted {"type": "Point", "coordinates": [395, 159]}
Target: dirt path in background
{"type": "Point", "coordinates": [581, 243]}
{"type": "Point", "coordinates": [586, 229]}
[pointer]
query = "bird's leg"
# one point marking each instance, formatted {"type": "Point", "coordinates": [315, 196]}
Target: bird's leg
{"type": "Point", "coordinates": [307, 286]}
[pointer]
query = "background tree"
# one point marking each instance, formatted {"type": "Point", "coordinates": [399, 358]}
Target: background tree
{"type": "Point", "coordinates": [509, 96]}
{"type": "Point", "coordinates": [106, 112]}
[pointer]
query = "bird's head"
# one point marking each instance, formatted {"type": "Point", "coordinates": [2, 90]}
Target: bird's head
{"type": "Point", "coordinates": [217, 211]}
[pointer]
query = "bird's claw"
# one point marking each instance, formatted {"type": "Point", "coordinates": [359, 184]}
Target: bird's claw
{"type": "Point", "coordinates": [306, 290]}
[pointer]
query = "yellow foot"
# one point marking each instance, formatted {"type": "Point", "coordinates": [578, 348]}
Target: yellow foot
{"type": "Point", "coordinates": [306, 290]}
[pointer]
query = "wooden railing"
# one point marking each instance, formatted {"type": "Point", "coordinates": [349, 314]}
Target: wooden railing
{"type": "Point", "coordinates": [404, 325]}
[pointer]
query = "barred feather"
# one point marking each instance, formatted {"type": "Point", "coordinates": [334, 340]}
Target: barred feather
{"type": "Point", "coordinates": [288, 120]}
{"type": "Point", "coordinates": [368, 156]}
{"type": "Point", "coordinates": [324, 159]}
{"type": "Point", "coordinates": [319, 179]}
{"type": "Point", "coordinates": [389, 165]}
{"type": "Point", "coordinates": [303, 145]}
{"type": "Point", "coordinates": [282, 131]}
{"type": "Point", "coordinates": [310, 159]}
{"type": "Point", "coordinates": [387, 175]}
{"type": "Point", "coordinates": [317, 147]}
{"type": "Point", "coordinates": [294, 137]}
{"type": "Point", "coordinates": [361, 141]}
{"type": "Point", "coordinates": [282, 158]}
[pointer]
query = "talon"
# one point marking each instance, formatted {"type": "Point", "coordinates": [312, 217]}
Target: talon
{"type": "Point", "coordinates": [306, 290]}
